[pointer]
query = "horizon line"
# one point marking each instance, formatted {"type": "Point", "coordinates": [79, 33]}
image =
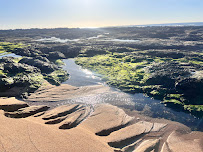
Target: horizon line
{"type": "Point", "coordinates": [150, 24]}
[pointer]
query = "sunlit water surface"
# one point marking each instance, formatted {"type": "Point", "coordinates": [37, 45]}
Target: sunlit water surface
{"type": "Point", "coordinates": [145, 105]}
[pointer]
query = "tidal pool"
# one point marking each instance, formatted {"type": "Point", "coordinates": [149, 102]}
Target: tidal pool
{"type": "Point", "coordinates": [145, 105]}
{"type": "Point", "coordinates": [97, 38]}
{"type": "Point", "coordinates": [57, 40]}
{"type": "Point", "coordinates": [9, 55]}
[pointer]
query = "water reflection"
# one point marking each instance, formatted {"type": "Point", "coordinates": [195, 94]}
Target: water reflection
{"type": "Point", "coordinates": [78, 76]}
{"type": "Point", "coordinates": [97, 38]}
{"type": "Point", "coordinates": [58, 40]}
{"type": "Point", "coordinates": [139, 102]}
{"type": "Point", "coordinates": [9, 55]}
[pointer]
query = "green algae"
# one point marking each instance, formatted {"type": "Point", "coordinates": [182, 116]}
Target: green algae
{"type": "Point", "coordinates": [130, 75]}
{"type": "Point", "coordinates": [57, 77]}
{"type": "Point", "coordinates": [59, 62]}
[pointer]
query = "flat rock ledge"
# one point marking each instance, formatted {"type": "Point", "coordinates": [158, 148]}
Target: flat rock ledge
{"type": "Point", "coordinates": [79, 127]}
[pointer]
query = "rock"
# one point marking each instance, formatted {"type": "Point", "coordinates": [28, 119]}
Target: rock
{"type": "Point", "coordinates": [108, 118]}
{"type": "Point", "coordinates": [18, 78]}
{"type": "Point", "coordinates": [11, 104]}
{"type": "Point", "coordinates": [43, 66]}
{"type": "Point", "coordinates": [67, 50]}
{"type": "Point", "coordinates": [14, 68]}
{"type": "Point", "coordinates": [60, 111]}
{"type": "Point", "coordinates": [177, 142]}
{"type": "Point", "coordinates": [56, 55]}
{"type": "Point", "coordinates": [165, 53]}
{"type": "Point", "coordinates": [28, 51]}
{"type": "Point", "coordinates": [166, 74]}
{"type": "Point", "coordinates": [75, 118]}
{"type": "Point", "coordinates": [26, 112]}
{"type": "Point", "coordinates": [192, 89]}
{"type": "Point", "coordinates": [71, 52]}
{"type": "Point", "coordinates": [44, 59]}
{"type": "Point", "coordinates": [148, 146]}
{"type": "Point", "coordinates": [7, 60]}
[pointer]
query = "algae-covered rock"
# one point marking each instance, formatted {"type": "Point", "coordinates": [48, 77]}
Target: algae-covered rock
{"type": "Point", "coordinates": [43, 66]}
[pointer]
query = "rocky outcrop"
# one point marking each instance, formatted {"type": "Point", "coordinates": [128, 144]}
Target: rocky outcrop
{"type": "Point", "coordinates": [166, 53]}
{"type": "Point", "coordinates": [192, 89]}
{"type": "Point", "coordinates": [166, 74]}
{"type": "Point", "coordinates": [29, 51]}
{"type": "Point", "coordinates": [43, 66]}
{"type": "Point", "coordinates": [19, 68]}
{"type": "Point", "coordinates": [63, 50]}
{"type": "Point", "coordinates": [56, 55]}
{"type": "Point", "coordinates": [18, 78]}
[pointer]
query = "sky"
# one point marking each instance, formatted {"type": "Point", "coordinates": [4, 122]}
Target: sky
{"type": "Point", "coordinates": [96, 13]}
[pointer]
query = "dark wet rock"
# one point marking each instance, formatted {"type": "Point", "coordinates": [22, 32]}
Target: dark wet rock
{"type": "Point", "coordinates": [6, 60]}
{"type": "Point", "coordinates": [44, 59]}
{"type": "Point", "coordinates": [43, 66]}
{"type": "Point", "coordinates": [166, 53]}
{"type": "Point", "coordinates": [12, 91]}
{"type": "Point", "coordinates": [192, 89]}
{"type": "Point", "coordinates": [120, 49]}
{"type": "Point", "coordinates": [26, 112]}
{"type": "Point", "coordinates": [164, 80]}
{"type": "Point", "coordinates": [16, 78]}
{"type": "Point", "coordinates": [166, 74]}
{"type": "Point", "coordinates": [93, 51]}
{"type": "Point", "coordinates": [68, 51]}
{"type": "Point", "coordinates": [28, 51]}
{"type": "Point", "coordinates": [56, 55]}
{"type": "Point", "coordinates": [71, 52]}
{"type": "Point", "coordinates": [13, 68]}
{"type": "Point", "coordinates": [22, 52]}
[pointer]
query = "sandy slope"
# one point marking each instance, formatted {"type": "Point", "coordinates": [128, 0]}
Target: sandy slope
{"type": "Point", "coordinates": [87, 128]}
{"type": "Point", "coordinates": [31, 135]}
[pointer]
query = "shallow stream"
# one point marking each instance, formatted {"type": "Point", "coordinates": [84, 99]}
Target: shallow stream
{"type": "Point", "coordinates": [6, 54]}
{"type": "Point", "coordinates": [145, 105]}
